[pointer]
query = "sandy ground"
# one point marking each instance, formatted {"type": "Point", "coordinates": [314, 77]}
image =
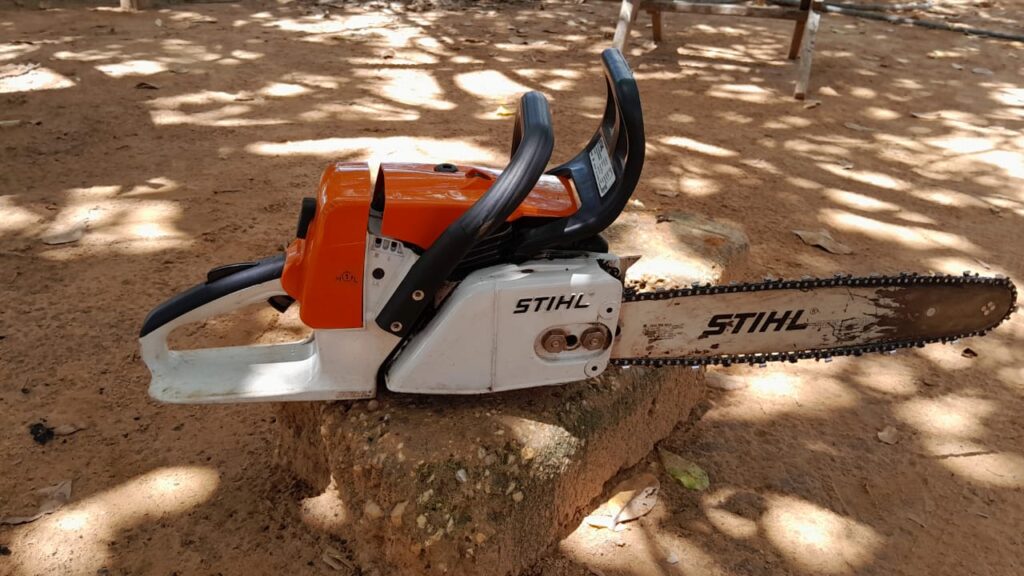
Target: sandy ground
{"type": "Point", "coordinates": [246, 103]}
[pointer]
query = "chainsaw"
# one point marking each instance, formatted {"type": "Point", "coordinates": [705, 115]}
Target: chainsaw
{"type": "Point", "coordinates": [454, 279]}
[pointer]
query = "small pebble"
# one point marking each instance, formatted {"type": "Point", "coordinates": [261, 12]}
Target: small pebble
{"type": "Point", "coordinates": [890, 435]}
{"type": "Point", "coordinates": [517, 497]}
{"type": "Point", "coordinates": [461, 475]}
{"type": "Point", "coordinates": [396, 513]}
{"type": "Point", "coordinates": [371, 510]}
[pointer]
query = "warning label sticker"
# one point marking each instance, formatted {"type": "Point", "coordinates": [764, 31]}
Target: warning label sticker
{"type": "Point", "coordinates": [602, 165]}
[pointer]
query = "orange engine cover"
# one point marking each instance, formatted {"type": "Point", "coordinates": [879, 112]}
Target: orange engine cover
{"type": "Point", "coordinates": [324, 270]}
{"type": "Point", "coordinates": [420, 202]}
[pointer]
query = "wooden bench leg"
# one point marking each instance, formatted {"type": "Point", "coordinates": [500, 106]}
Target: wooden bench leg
{"type": "Point", "coordinates": [627, 14]}
{"type": "Point", "coordinates": [656, 25]}
{"type": "Point", "coordinates": [806, 55]}
{"type": "Point", "coordinates": [798, 36]}
{"type": "Point", "coordinates": [798, 30]}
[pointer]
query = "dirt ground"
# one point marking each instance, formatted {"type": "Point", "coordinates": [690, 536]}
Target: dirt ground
{"type": "Point", "coordinates": [184, 139]}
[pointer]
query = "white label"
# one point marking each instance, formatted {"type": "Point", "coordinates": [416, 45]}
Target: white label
{"type": "Point", "coordinates": [602, 165]}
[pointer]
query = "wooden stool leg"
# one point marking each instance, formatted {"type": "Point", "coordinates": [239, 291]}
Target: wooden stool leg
{"type": "Point", "coordinates": [798, 30]}
{"type": "Point", "coordinates": [798, 36]}
{"type": "Point", "coordinates": [806, 55]}
{"type": "Point", "coordinates": [627, 14]}
{"type": "Point", "coordinates": [656, 25]}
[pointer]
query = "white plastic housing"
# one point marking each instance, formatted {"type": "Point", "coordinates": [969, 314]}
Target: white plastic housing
{"type": "Point", "coordinates": [483, 341]}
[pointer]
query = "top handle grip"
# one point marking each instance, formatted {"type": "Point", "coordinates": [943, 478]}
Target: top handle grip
{"type": "Point", "coordinates": [532, 144]}
{"type": "Point", "coordinates": [605, 172]}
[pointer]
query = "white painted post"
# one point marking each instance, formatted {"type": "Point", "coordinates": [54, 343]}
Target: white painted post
{"type": "Point", "coordinates": [807, 54]}
{"type": "Point", "coordinates": [627, 14]}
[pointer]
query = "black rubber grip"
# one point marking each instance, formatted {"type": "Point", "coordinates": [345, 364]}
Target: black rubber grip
{"type": "Point", "coordinates": [622, 132]}
{"type": "Point", "coordinates": [196, 296]}
{"type": "Point", "coordinates": [306, 214]}
{"type": "Point", "coordinates": [532, 143]}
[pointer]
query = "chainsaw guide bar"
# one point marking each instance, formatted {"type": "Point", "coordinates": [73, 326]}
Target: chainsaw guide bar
{"type": "Point", "coordinates": [815, 318]}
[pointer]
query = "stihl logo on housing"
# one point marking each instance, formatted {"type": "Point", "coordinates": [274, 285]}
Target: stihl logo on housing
{"type": "Point", "coordinates": [771, 321]}
{"type": "Point", "coordinates": [549, 303]}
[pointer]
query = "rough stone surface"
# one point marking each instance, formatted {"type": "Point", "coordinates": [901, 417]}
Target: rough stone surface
{"type": "Point", "coordinates": [678, 248]}
{"type": "Point", "coordinates": [484, 485]}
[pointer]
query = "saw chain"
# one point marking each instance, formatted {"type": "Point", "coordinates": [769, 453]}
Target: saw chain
{"type": "Point", "coordinates": [630, 294]}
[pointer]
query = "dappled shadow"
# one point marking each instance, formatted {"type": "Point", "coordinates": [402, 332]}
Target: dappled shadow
{"type": "Point", "coordinates": [246, 103]}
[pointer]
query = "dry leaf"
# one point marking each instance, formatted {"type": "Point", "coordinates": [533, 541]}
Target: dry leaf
{"type": "Point", "coordinates": [56, 496]}
{"type": "Point", "coordinates": [632, 499]}
{"type": "Point", "coordinates": [72, 234]}
{"type": "Point", "coordinates": [13, 70]}
{"type": "Point", "coordinates": [146, 86]}
{"type": "Point", "coordinates": [824, 240]}
{"type": "Point", "coordinates": [925, 115]}
{"type": "Point", "coordinates": [666, 193]}
{"type": "Point", "coordinates": [858, 127]}
{"type": "Point", "coordinates": [812, 104]}
{"type": "Point", "coordinates": [685, 472]}
{"type": "Point", "coordinates": [889, 435]}
{"type": "Point", "coordinates": [335, 559]}
{"type": "Point", "coordinates": [968, 353]}
{"type": "Point", "coordinates": [982, 71]}
{"type": "Point", "coordinates": [67, 429]}
{"type": "Point", "coordinates": [505, 111]}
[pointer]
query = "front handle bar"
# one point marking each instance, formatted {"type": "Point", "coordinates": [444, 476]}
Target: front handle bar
{"type": "Point", "coordinates": [532, 144]}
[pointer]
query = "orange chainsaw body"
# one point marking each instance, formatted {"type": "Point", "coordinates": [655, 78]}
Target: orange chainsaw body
{"type": "Point", "coordinates": [324, 270]}
{"type": "Point", "coordinates": [421, 202]}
